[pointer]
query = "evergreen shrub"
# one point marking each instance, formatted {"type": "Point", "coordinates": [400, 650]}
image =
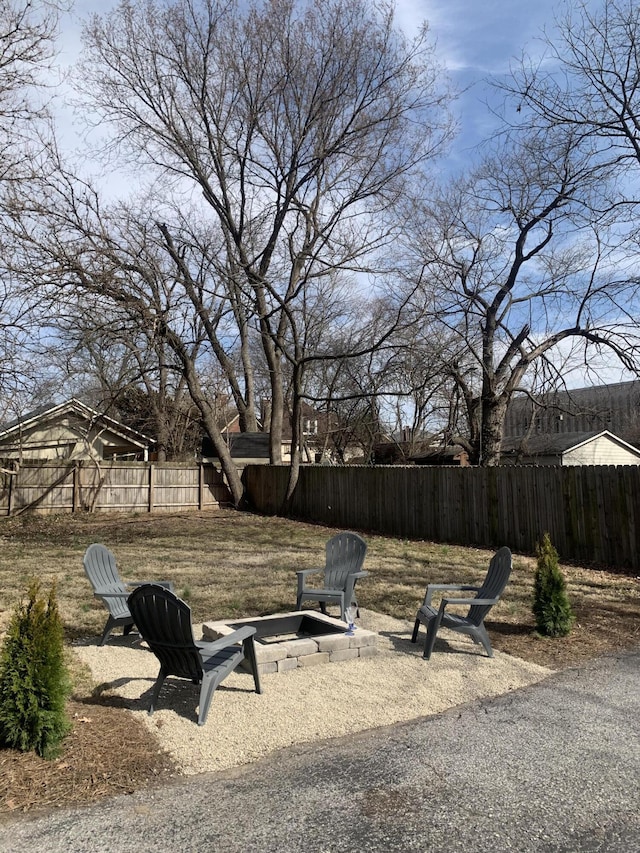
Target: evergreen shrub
{"type": "Point", "coordinates": [34, 681]}
{"type": "Point", "coordinates": [551, 606]}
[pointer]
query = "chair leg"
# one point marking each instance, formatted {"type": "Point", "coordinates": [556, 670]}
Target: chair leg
{"type": "Point", "coordinates": [480, 636]}
{"type": "Point", "coordinates": [250, 654]}
{"type": "Point", "coordinates": [108, 628]}
{"type": "Point", "coordinates": [416, 628]}
{"type": "Point", "coordinates": [432, 630]}
{"type": "Point", "coordinates": [207, 689]}
{"type": "Point", "coordinates": [156, 691]}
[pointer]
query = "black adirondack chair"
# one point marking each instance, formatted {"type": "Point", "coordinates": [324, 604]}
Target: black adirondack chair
{"type": "Point", "coordinates": [164, 621]}
{"type": "Point", "coordinates": [345, 555]}
{"type": "Point", "coordinates": [473, 622]}
{"type": "Point", "coordinates": [101, 569]}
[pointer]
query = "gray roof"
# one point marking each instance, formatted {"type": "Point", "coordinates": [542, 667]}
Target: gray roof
{"type": "Point", "coordinates": [550, 443]}
{"type": "Point", "coordinates": [243, 445]}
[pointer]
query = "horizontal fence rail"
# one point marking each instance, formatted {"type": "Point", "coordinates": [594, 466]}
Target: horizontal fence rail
{"type": "Point", "coordinates": [592, 513]}
{"type": "Point", "coordinates": [52, 487]}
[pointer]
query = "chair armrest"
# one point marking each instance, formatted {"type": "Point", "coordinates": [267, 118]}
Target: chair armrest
{"type": "Point", "coordinates": [304, 572]}
{"type": "Point", "coordinates": [236, 636]}
{"type": "Point", "coordinates": [467, 601]}
{"type": "Point", "coordinates": [439, 587]}
{"type": "Point", "coordinates": [350, 584]}
{"type": "Point", "coordinates": [302, 575]}
{"type": "Point", "coordinates": [123, 594]}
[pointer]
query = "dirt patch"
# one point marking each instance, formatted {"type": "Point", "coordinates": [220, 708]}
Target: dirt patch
{"type": "Point", "coordinates": [108, 752]}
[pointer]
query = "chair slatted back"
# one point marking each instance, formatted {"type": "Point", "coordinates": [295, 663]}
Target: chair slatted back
{"type": "Point", "coordinates": [345, 555]}
{"type": "Point", "coordinates": [494, 584]}
{"type": "Point", "coordinates": [164, 621]}
{"type": "Point", "coordinates": [101, 569]}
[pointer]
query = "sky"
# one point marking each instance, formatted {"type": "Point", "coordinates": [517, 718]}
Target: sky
{"type": "Point", "coordinates": [474, 40]}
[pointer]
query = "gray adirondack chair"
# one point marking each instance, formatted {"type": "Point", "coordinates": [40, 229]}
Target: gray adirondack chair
{"type": "Point", "coordinates": [345, 555]}
{"type": "Point", "coordinates": [479, 605]}
{"type": "Point", "coordinates": [101, 569]}
{"type": "Point", "coordinates": [164, 621]}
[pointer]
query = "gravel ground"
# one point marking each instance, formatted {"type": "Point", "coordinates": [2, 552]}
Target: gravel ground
{"type": "Point", "coordinates": [306, 704]}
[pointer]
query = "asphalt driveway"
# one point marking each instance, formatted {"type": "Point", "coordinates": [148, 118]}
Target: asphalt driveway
{"type": "Point", "coordinates": [552, 767]}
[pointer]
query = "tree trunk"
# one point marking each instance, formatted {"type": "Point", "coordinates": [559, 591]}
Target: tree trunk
{"type": "Point", "coordinates": [296, 442]}
{"type": "Point", "coordinates": [229, 469]}
{"type": "Point", "coordinates": [493, 415]}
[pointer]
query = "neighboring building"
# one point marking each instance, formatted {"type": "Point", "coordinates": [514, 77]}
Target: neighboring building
{"type": "Point", "coordinates": [326, 440]}
{"type": "Point", "coordinates": [615, 408]}
{"type": "Point", "coordinates": [576, 448]}
{"type": "Point", "coordinates": [452, 455]}
{"type": "Point", "coordinates": [246, 448]}
{"type": "Point", "coordinates": [71, 431]}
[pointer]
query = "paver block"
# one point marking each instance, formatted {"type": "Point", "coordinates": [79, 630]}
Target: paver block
{"type": "Point", "coordinates": [296, 648]}
{"type": "Point", "coordinates": [367, 651]}
{"type": "Point", "coordinates": [287, 664]}
{"type": "Point", "coordinates": [312, 660]}
{"type": "Point", "coordinates": [332, 642]}
{"type": "Point", "coordinates": [363, 638]}
{"type": "Point", "coordinates": [269, 653]}
{"type": "Point", "coordinates": [214, 630]}
{"type": "Point", "coordinates": [344, 654]}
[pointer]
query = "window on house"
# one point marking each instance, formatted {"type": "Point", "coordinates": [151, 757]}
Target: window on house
{"type": "Point", "coordinates": [309, 426]}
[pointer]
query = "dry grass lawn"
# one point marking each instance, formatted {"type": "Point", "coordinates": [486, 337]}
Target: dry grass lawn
{"type": "Point", "coordinates": [226, 563]}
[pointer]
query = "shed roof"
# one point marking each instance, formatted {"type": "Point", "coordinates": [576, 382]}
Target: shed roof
{"type": "Point", "coordinates": [549, 443]}
{"type": "Point", "coordinates": [242, 445]}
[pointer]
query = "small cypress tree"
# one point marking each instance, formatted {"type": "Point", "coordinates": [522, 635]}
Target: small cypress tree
{"type": "Point", "coordinates": [34, 681]}
{"type": "Point", "coordinates": [551, 606]}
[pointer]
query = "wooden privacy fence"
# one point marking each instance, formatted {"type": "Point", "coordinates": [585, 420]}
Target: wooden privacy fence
{"type": "Point", "coordinates": [592, 513]}
{"type": "Point", "coordinates": [119, 486]}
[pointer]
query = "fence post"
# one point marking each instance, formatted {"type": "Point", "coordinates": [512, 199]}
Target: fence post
{"type": "Point", "coordinates": [75, 494]}
{"type": "Point", "coordinates": [201, 487]}
{"type": "Point", "coordinates": [12, 478]}
{"type": "Point", "coordinates": [151, 487]}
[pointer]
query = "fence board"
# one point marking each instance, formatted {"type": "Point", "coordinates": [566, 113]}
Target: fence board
{"type": "Point", "coordinates": [592, 513]}
{"type": "Point", "coordinates": [112, 487]}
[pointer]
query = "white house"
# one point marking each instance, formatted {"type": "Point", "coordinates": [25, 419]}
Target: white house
{"type": "Point", "coordinates": [569, 448]}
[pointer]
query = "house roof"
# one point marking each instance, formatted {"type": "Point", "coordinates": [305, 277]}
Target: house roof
{"type": "Point", "coordinates": [556, 443]}
{"type": "Point", "coordinates": [243, 445]}
{"type": "Point", "coordinates": [451, 451]}
{"type": "Point", "coordinates": [81, 410]}
{"type": "Point", "coordinates": [591, 396]}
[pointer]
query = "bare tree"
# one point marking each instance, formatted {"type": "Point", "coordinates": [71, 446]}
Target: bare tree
{"type": "Point", "coordinates": [27, 46]}
{"type": "Point", "coordinates": [522, 265]}
{"type": "Point", "coordinates": [586, 81]}
{"type": "Point", "coordinates": [123, 371]}
{"type": "Point", "coordinates": [115, 263]}
{"type": "Point", "coordinates": [298, 122]}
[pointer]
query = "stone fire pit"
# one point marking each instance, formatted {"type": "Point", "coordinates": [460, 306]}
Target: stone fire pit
{"type": "Point", "coordinates": [286, 641]}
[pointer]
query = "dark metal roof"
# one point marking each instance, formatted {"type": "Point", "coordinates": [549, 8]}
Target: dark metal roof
{"type": "Point", "coordinates": [243, 445]}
